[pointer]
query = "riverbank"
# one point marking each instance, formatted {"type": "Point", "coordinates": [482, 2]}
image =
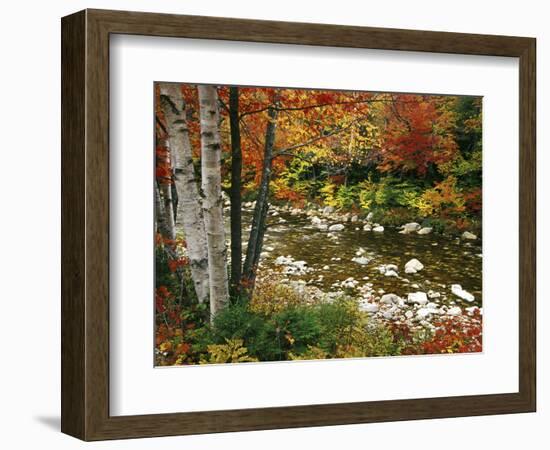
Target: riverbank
{"type": "Point", "coordinates": [405, 275]}
{"type": "Point", "coordinates": [334, 284]}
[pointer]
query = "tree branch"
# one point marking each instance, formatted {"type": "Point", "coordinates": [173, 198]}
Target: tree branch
{"type": "Point", "coordinates": [317, 138]}
{"type": "Point", "coordinates": [322, 105]}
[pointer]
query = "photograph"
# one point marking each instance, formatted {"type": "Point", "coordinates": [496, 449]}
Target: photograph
{"type": "Point", "coordinates": [305, 224]}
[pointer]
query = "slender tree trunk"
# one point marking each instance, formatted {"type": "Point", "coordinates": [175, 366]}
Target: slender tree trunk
{"type": "Point", "coordinates": [160, 220]}
{"type": "Point", "coordinates": [189, 202]}
{"type": "Point", "coordinates": [212, 199]}
{"type": "Point", "coordinates": [175, 196]}
{"type": "Point", "coordinates": [167, 206]}
{"type": "Point", "coordinates": [259, 218]}
{"type": "Point", "coordinates": [235, 193]}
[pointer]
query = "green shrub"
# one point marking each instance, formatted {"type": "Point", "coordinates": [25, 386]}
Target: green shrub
{"type": "Point", "coordinates": [337, 320]}
{"type": "Point", "coordinates": [238, 322]}
{"type": "Point", "coordinates": [268, 338]}
{"type": "Point", "coordinates": [296, 328]}
{"type": "Point", "coordinates": [347, 197]}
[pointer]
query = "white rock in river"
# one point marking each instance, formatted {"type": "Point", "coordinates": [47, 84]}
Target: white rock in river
{"type": "Point", "coordinates": [391, 273]}
{"type": "Point", "coordinates": [336, 227]}
{"type": "Point", "coordinates": [410, 227]}
{"type": "Point", "coordinates": [425, 230]}
{"type": "Point", "coordinates": [389, 299]}
{"type": "Point", "coordinates": [433, 294]}
{"type": "Point", "coordinates": [367, 227]}
{"type": "Point", "coordinates": [360, 251]}
{"type": "Point", "coordinates": [322, 227]}
{"type": "Point", "coordinates": [354, 218]}
{"type": "Point", "coordinates": [409, 314]}
{"type": "Point", "coordinates": [316, 221]}
{"type": "Point", "coordinates": [361, 260]}
{"type": "Point", "coordinates": [378, 229]}
{"type": "Point", "coordinates": [385, 268]}
{"type": "Point", "coordinates": [413, 266]}
{"type": "Point", "coordinates": [454, 311]}
{"type": "Point", "coordinates": [283, 260]}
{"type": "Point", "coordinates": [468, 235]}
{"type": "Point", "coordinates": [457, 290]}
{"type": "Point", "coordinates": [326, 267]}
{"type": "Point", "coordinates": [269, 249]}
{"type": "Point", "coordinates": [369, 216]}
{"type": "Point", "coordinates": [328, 210]}
{"type": "Point", "coordinates": [418, 297]}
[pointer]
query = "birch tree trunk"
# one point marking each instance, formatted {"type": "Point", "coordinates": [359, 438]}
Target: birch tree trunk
{"type": "Point", "coordinates": [189, 201]}
{"type": "Point", "coordinates": [235, 193]}
{"type": "Point", "coordinates": [212, 199]}
{"type": "Point", "coordinates": [255, 241]}
{"type": "Point", "coordinates": [165, 186]}
{"type": "Point", "coordinates": [160, 219]}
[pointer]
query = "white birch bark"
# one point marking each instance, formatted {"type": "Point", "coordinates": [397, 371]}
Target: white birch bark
{"type": "Point", "coordinates": [160, 221]}
{"type": "Point", "coordinates": [189, 201]}
{"type": "Point", "coordinates": [166, 191]}
{"type": "Point", "coordinates": [212, 200]}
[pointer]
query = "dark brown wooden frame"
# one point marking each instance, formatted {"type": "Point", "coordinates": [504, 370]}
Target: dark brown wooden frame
{"type": "Point", "coordinates": [85, 224]}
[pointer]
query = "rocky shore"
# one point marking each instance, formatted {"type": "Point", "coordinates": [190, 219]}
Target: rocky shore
{"type": "Point", "coordinates": [415, 305]}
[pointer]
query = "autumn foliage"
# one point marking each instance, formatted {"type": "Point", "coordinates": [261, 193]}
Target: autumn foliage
{"type": "Point", "coordinates": [398, 157]}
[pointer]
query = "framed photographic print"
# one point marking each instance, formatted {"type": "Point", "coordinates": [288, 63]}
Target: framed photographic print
{"type": "Point", "coordinates": [270, 224]}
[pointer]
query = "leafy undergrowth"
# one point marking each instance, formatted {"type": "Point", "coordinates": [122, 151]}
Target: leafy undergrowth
{"type": "Point", "coordinates": [277, 325]}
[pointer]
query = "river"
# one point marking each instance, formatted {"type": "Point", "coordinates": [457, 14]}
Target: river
{"type": "Point", "coordinates": [447, 260]}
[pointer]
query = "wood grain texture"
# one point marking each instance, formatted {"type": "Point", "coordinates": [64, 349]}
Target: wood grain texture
{"type": "Point", "coordinates": [527, 224]}
{"type": "Point", "coordinates": [73, 111]}
{"type": "Point", "coordinates": [85, 224]}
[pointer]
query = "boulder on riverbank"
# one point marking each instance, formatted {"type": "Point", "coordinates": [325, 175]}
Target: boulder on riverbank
{"type": "Point", "coordinates": [390, 299]}
{"type": "Point", "coordinates": [468, 235]}
{"type": "Point", "coordinates": [336, 227]}
{"type": "Point", "coordinates": [417, 297]}
{"type": "Point", "coordinates": [454, 311]}
{"type": "Point", "coordinates": [368, 307]}
{"type": "Point", "coordinates": [457, 290]}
